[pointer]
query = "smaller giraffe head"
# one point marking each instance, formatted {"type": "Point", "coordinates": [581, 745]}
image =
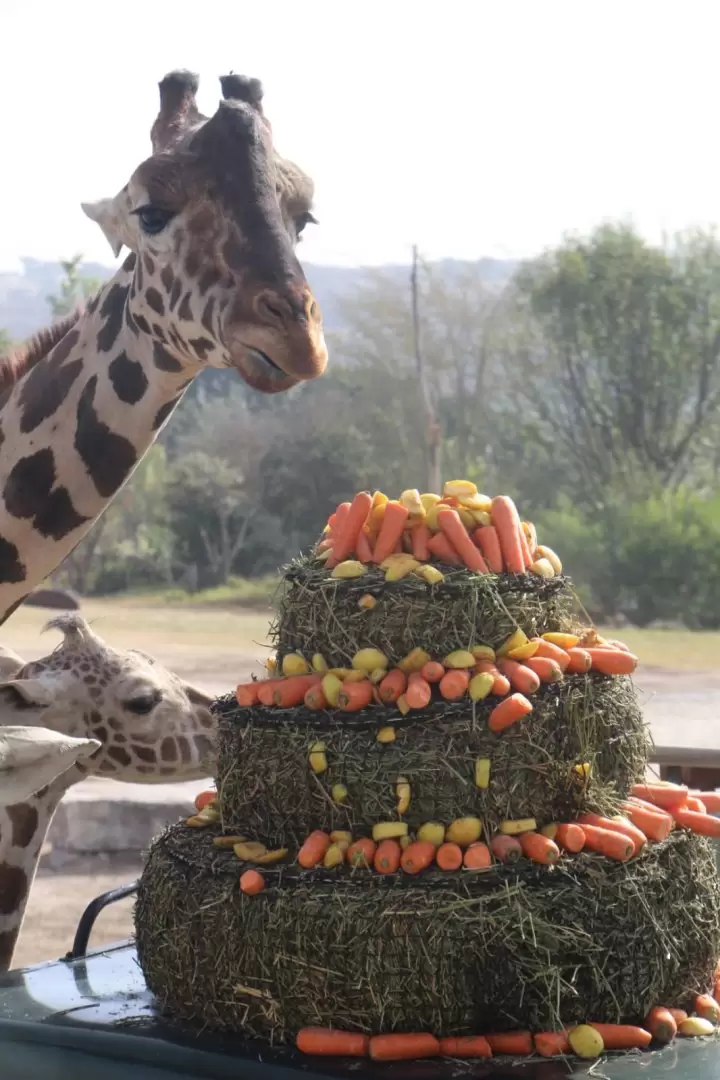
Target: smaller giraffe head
{"type": "Point", "coordinates": [148, 724]}
{"type": "Point", "coordinates": [32, 757]}
{"type": "Point", "coordinates": [213, 217]}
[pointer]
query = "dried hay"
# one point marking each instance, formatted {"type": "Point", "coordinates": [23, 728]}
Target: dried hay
{"type": "Point", "coordinates": [450, 953]}
{"type": "Point", "coordinates": [268, 791]}
{"type": "Point", "coordinates": [319, 614]}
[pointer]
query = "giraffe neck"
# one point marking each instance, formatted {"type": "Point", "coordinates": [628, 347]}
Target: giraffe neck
{"type": "Point", "coordinates": [73, 429]}
{"type": "Point", "coordinates": [23, 829]}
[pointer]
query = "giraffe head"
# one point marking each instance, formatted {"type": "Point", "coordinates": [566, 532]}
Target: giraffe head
{"type": "Point", "coordinates": [147, 723]}
{"type": "Point", "coordinates": [213, 218]}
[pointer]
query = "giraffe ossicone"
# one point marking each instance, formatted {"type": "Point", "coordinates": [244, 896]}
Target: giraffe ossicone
{"type": "Point", "coordinates": [84, 709]}
{"type": "Point", "coordinates": [211, 219]}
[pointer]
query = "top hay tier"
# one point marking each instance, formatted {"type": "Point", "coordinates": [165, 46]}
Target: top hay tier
{"type": "Point", "coordinates": [320, 614]}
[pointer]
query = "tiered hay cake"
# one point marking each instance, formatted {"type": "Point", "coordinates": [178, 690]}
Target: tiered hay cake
{"type": "Point", "coordinates": [492, 946]}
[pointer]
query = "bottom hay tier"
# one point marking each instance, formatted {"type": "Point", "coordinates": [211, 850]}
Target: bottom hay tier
{"type": "Point", "coordinates": [510, 948]}
{"type": "Point", "coordinates": [431, 812]}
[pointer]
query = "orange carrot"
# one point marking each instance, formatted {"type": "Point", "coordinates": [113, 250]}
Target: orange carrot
{"type": "Point", "coordinates": [708, 1008]}
{"type": "Point", "coordinates": [623, 1036]}
{"type": "Point", "coordinates": [403, 1047]}
{"type": "Point", "coordinates": [418, 693]}
{"type": "Point", "coordinates": [477, 856]}
{"type": "Point", "coordinates": [205, 798]}
{"type": "Point", "coordinates": [614, 845]}
{"type": "Point", "coordinates": [420, 537]}
{"type": "Point", "coordinates": [661, 1024]}
{"type": "Point", "coordinates": [252, 882]}
{"type": "Point", "coordinates": [355, 695]}
{"type": "Point", "coordinates": [525, 547]}
{"type": "Point", "coordinates": [363, 547]}
{"type": "Point", "coordinates": [551, 1043]}
{"type": "Point", "coordinates": [417, 856]}
{"type": "Point", "coordinates": [655, 826]}
{"type": "Point", "coordinates": [465, 1046]}
{"type": "Point", "coordinates": [553, 652]}
{"type": "Point", "coordinates": [613, 661]}
{"type": "Point", "coordinates": [336, 521]}
{"type": "Point", "coordinates": [501, 686]}
{"type": "Point", "coordinates": [580, 661]}
{"type": "Point", "coordinates": [506, 848]}
{"type": "Point", "coordinates": [392, 686]}
{"type": "Point", "coordinates": [547, 670]}
{"type": "Point", "coordinates": [442, 549]}
{"type": "Point", "coordinates": [539, 849]}
{"type": "Point", "coordinates": [362, 852]}
{"type": "Point", "coordinates": [513, 1043]}
{"type": "Point", "coordinates": [326, 1042]}
{"type": "Point", "coordinates": [246, 694]}
{"type": "Point", "coordinates": [432, 671]}
{"type": "Point", "coordinates": [711, 800]}
{"type": "Point", "coordinates": [387, 857]}
{"type": "Point", "coordinates": [449, 857]}
{"type": "Point", "coordinates": [266, 689]}
{"type": "Point", "coordinates": [291, 691]}
{"type": "Point", "coordinates": [391, 530]}
{"type": "Point", "coordinates": [702, 824]}
{"type": "Point", "coordinates": [506, 520]}
{"type": "Point", "coordinates": [487, 540]}
{"type": "Point", "coordinates": [347, 535]}
{"type": "Point", "coordinates": [666, 796]}
{"type": "Point", "coordinates": [313, 849]}
{"type": "Point", "coordinates": [315, 698]}
{"type": "Point", "coordinates": [521, 677]}
{"type": "Point", "coordinates": [452, 526]}
{"type": "Point", "coordinates": [627, 828]}
{"type": "Point", "coordinates": [454, 684]}
{"type": "Point", "coordinates": [691, 803]}
{"type": "Point", "coordinates": [678, 1015]}
{"type": "Point", "coordinates": [508, 712]}
{"type": "Point", "coordinates": [569, 837]}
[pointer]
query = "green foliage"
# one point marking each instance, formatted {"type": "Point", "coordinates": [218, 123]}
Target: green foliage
{"type": "Point", "coordinates": [74, 288]}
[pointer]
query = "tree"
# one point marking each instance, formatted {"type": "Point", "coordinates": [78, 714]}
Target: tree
{"type": "Point", "coordinates": [5, 342]}
{"type": "Point", "coordinates": [75, 288]}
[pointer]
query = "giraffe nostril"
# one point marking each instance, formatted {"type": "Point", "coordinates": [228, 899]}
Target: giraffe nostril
{"type": "Point", "coordinates": [273, 310]}
{"type": "Point", "coordinates": [313, 312]}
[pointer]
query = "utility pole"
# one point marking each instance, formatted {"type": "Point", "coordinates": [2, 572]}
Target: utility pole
{"type": "Point", "coordinates": [432, 428]}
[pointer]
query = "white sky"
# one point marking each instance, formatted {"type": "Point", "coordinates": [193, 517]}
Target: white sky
{"type": "Point", "coordinates": [473, 127]}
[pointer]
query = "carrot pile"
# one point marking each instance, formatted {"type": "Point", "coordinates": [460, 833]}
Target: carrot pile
{"type": "Point", "coordinates": [515, 671]}
{"type": "Point", "coordinates": [460, 528]}
{"type": "Point", "coordinates": [586, 1041]}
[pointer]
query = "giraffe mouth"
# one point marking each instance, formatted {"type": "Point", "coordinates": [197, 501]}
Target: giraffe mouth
{"type": "Point", "coordinates": [261, 372]}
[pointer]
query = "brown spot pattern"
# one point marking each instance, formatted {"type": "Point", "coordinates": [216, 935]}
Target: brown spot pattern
{"type": "Point", "coordinates": [108, 457]}
{"type": "Point", "coordinates": [112, 311]}
{"type": "Point", "coordinates": [13, 888]}
{"type": "Point", "coordinates": [24, 821]}
{"type": "Point", "coordinates": [128, 378]}
{"type": "Point", "coordinates": [155, 300]}
{"type": "Point", "coordinates": [164, 360]}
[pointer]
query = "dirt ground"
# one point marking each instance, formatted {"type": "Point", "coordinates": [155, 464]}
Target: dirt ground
{"type": "Point", "coordinates": [215, 649]}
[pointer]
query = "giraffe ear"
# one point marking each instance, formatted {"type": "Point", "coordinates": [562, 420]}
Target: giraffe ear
{"type": "Point", "coordinates": [32, 757]}
{"type": "Point", "coordinates": [10, 663]}
{"type": "Point", "coordinates": [28, 693]}
{"type": "Point", "coordinates": [104, 213]}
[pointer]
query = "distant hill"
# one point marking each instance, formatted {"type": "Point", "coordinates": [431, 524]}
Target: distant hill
{"type": "Point", "coordinates": [24, 307]}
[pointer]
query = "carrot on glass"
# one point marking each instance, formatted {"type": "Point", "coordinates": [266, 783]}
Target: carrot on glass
{"type": "Point", "coordinates": [508, 712]}
{"type": "Point", "coordinates": [513, 1043]}
{"type": "Point", "coordinates": [551, 1043]}
{"type": "Point", "coordinates": [392, 686]}
{"type": "Point", "coordinates": [387, 857]}
{"type": "Point", "coordinates": [433, 671]}
{"type": "Point", "coordinates": [580, 661]}
{"type": "Point", "coordinates": [613, 845]}
{"type": "Point", "coordinates": [246, 694]}
{"type": "Point", "coordinates": [506, 520]}
{"type": "Point", "coordinates": [454, 684]}
{"type": "Point", "coordinates": [327, 1042]}
{"type": "Point", "coordinates": [465, 1046]}
{"type": "Point", "coordinates": [393, 523]}
{"type": "Point", "coordinates": [355, 695]}
{"type": "Point", "coordinates": [419, 539]}
{"type": "Point", "coordinates": [506, 848]}
{"type": "Point", "coordinates": [486, 539]}
{"type": "Point", "coordinates": [539, 849]}
{"type": "Point", "coordinates": [521, 677]}
{"type": "Point", "coordinates": [661, 1024]}
{"type": "Point", "coordinates": [291, 691]}
{"type": "Point", "coordinates": [451, 525]}
{"type": "Point", "coordinates": [477, 856]}
{"type": "Point", "coordinates": [449, 856]}
{"type": "Point", "coordinates": [403, 1047]}
{"type": "Point", "coordinates": [347, 534]}
{"type": "Point", "coordinates": [442, 549]}
{"type": "Point", "coordinates": [622, 1036]}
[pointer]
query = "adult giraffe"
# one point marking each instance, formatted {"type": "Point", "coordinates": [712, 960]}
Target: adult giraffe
{"type": "Point", "coordinates": [211, 219]}
{"type": "Point", "coordinates": [84, 709]}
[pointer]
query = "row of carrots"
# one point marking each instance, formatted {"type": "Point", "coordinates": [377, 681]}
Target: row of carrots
{"type": "Point", "coordinates": [460, 528]}
{"type": "Point", "coordinates": [586, 1041]}
{"type": "Point", "coordinates": [521, 664]}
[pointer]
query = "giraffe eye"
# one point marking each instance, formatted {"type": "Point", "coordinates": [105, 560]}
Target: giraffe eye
{"type": "Point", "coordinates": [142, 704]}
{"type": "Point", "coordinates": [153, 219]}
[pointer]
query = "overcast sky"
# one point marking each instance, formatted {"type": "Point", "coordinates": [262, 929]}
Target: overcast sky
{"type": "Point", "coordinates": [482, 127]}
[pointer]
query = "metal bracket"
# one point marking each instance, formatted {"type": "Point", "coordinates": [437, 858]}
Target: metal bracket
{"type": "Point", "coordinates": [90, 914]}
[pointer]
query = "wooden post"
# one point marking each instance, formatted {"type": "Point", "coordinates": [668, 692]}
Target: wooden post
{"type": "Point", "coordinates": [432, 427]}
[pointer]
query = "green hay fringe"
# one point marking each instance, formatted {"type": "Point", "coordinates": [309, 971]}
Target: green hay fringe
{"type": "Point", "coordinates": [450, 953]}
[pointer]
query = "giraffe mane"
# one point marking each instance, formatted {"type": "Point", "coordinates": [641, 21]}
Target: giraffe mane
{"type": "Point", "coordinates": [15, 364]}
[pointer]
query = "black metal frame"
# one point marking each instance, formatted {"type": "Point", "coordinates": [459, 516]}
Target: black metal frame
{"type": "Point", "coordinates": [89, 917]}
